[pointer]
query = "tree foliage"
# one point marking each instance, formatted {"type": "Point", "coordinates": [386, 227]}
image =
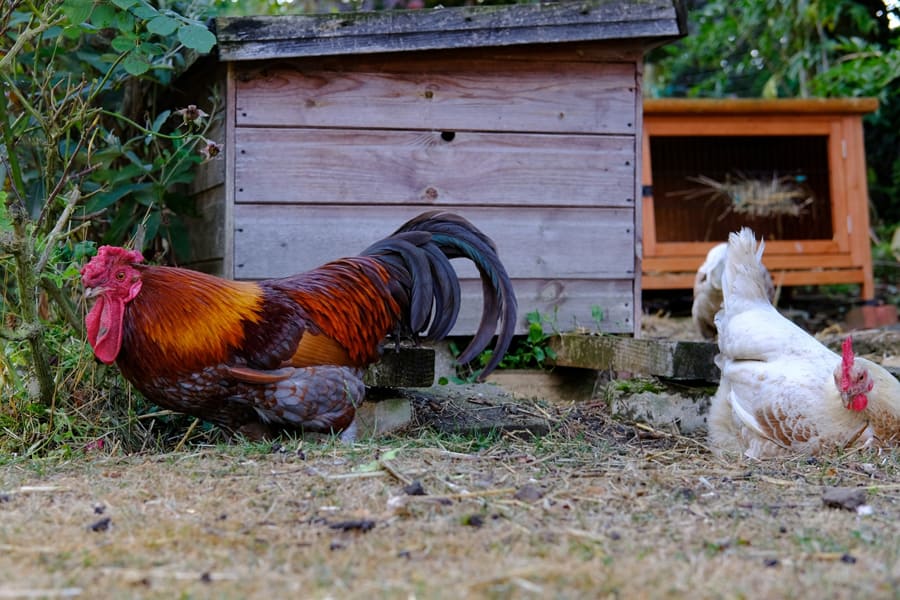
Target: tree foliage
{"type": "Point", "coordinates": [796, 48]}
{"type": "Point", "coordinates": [85, 154]}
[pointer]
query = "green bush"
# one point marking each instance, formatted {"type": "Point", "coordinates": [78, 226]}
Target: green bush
{"type": "Point", "coordinates": [84, 155]}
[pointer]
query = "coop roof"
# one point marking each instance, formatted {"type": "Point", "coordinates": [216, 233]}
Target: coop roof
{"type": "Point", "coordinates": [266, 37]}
{"type": "Point", "coordinates": [759, 106]}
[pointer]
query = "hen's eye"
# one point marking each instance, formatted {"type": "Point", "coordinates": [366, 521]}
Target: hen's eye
{"type": "Point", "coordinates": [120, 275]}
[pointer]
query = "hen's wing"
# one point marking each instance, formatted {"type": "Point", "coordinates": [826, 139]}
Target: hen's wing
{"type": "Point", "coordinates": [884, 405]}
{"type": "Point", "coordinates": [777, 406]}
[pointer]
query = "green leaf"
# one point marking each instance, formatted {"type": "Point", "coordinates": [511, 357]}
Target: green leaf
{"type": "Point", "coordinates": [124, 22]}
{"type": "Point", "coordinates": [197, 38]}
{"type": "Point", "coordinates": [118, 228]}
{"type": "Point", "coordinates": [151, 227]}
{"type": "Point", "coordinates": [106, 199]}
{"type": "Point", "coordinates": [145, 11]}
{"type": "Point", "coordinates": [125, 4]}
{"type": "Point", "coordinates": [123, 43]}
{"type": "Point", "coordinates": [178, 237]}
{"type": "Point", "coordinates": [83, 250]}
{"type": "Point", "coordinates": [5, 223]}
{"type": "Point", "coordinates": [159, 120]}
{"type": "Point", "coordinates": [376, 464]}
{"type": "Point", "coordinates": [136, 64]}
{"type": "Point", "coordinates": [103, 16]}
{"type": "Point", "coordinates": [162, 25]}
{"type": "Point", "coordinates": [73, 32]}
{"type": "Point", "coordinates": [77, 11]}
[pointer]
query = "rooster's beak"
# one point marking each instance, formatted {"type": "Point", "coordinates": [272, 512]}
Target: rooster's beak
{"type": "Point", "coordinates": [90, 292]}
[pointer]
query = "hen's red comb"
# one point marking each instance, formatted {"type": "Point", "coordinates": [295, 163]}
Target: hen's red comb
{"type": "Point", "coordinates": [846, 361]}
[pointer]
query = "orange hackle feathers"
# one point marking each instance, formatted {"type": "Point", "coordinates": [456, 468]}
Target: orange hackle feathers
{"type": "Point", "coordinates": [190, 319]}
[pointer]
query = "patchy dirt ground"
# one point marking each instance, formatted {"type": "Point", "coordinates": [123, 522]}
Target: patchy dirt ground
{"type": "Point", "coordinates": [593, 509]}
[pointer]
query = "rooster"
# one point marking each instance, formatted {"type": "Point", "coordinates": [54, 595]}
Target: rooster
{"type": "Point", "coordinates": [781, 391]}
{"type": "Point", "coordinates": [289, 352]}
{"type": "Point", "coordinates": [708, 291]}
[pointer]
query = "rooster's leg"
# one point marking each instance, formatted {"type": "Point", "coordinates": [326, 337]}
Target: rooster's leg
{"type": "Point", "coordinates": [321, 398]}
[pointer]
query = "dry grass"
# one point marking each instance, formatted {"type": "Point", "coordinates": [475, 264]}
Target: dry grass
{"type": "Point", "coordinates": [595, 509]}
{"type": "Point", "coordinates": [775, 196]}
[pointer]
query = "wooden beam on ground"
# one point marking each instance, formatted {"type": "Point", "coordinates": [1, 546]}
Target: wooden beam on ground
{"type": "Point", "coordinates": [659, 358]}
{"type": "Point", "coordinates": [406, 367]}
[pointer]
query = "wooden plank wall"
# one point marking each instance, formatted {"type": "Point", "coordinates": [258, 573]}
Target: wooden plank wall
{"type": "Point", "coordinates": [536, 148]}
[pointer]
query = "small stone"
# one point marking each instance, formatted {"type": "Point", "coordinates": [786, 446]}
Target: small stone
{"type": "Point", "coordinates": [101, 525]}
{"type": "Point", "coordinates": [363, 525]}
{"type": "Point", "coordinates": [529, 493]}
{"type": "Point", "coordinates": [474, 520]}
{"type": "Point", "coordinates": [414, 489]}
{"type": "Point", "coordinates": [845, 498]}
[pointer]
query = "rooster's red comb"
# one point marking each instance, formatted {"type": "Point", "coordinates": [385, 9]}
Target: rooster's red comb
{"type": "Point", "coordinates": [108, 255]}
{"type": "Point", "coordinates": [846, 361]}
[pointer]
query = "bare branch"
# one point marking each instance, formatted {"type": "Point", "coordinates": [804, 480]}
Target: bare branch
{"type": "Point", "coordinates": [46, 22]}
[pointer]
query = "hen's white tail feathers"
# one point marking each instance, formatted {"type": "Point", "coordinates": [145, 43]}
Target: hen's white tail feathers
{"type": "Point", "coordinates": [745, 278]}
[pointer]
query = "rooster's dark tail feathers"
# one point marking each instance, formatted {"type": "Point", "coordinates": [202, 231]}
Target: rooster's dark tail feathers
{"type": "Point", "coordinates": [419, 254]}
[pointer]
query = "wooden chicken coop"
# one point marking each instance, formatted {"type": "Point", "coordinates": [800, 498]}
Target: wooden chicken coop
{"type": "Point", "coordinates": [793, 170]}
{"type": "Point", "coordinates": [525, 119]}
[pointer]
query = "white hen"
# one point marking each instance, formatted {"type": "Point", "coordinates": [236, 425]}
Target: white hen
{"type": "Point", "coordinates": [708, 290]}
{"type": "Point", "coordinates": [781, 391]}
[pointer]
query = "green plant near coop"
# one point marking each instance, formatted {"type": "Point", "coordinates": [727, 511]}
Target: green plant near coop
{"type": "Point", "coordinates": [85, 154]}
{"type": "Point", "coordinates": [638, 386]}
{"type": "Point", "coordinates": [531, 350]}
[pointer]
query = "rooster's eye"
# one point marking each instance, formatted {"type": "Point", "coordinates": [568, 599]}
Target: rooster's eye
{"type": "Point", "coordinates": [120, 275]}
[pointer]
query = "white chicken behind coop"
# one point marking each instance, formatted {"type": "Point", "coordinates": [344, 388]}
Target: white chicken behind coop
{"type": "Point", "coordinates": [781, 391]}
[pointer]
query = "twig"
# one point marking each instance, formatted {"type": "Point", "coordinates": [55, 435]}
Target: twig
{"type": "Point", "coordinates": [69, 592]}
{"type": "Point", "coordinates": [26, 550]}
{"type": "Point", "coordinates": [187, 434]}
{"type": "Point", "coordinates": [64, 304]}
{"type": "Point", "coordinates": [54, 235]}
{"type": "Point", "coordinates": [353, 475]}
{"type": "Point", "coordinates": [46, 22]}
{"type": "Point", "coordinates": [774, 481]}
{"type": "Point", "coordinates": [451, 454]}
{"type": "Point", "coordinates": [387, 466]}
{"type": "Point", "coordinates": [657, 432]}
{"type": "Point", "coordinates": [465, 495]}
{"type": "Point", "coordinates": [161, 413]}
{"type": "Point", "coordinates": [29, 489]}
{"type": "Point", "coordinates": [580, 533]}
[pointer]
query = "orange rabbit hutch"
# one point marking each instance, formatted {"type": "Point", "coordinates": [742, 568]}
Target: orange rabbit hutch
{"type": "Point", "coordinates": [792, 169]}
